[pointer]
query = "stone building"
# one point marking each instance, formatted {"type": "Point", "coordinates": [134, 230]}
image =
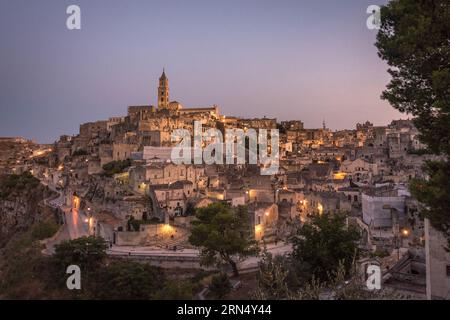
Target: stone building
{"type": "Point", "coordinates": [122, 151]}
{"type": "Point", "coordinates": [437, 264]}
{"type": "Point", "coordinates": [163, 92]}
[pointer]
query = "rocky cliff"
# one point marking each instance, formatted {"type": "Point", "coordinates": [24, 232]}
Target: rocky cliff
{"type": "Point", "coordinates": [20, 204]}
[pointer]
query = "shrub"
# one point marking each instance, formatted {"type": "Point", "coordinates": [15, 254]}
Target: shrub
{"type": "Point", "coordinates": [115, 167]}
{"type": "Point", "coordinates": [44, 230]}
{"type": "Point", "coordinates": [220, 286]}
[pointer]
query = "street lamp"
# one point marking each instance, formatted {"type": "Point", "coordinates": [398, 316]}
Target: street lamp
{"type": "Point", "coordinates": [405, 232]}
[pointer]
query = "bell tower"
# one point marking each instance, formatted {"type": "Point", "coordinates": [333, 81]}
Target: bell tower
{"type": "Point", "coordinates": [163, 92]}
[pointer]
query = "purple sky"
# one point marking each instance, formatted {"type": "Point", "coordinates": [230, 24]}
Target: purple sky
{"type": "Point", "coordinates": [306, 60]}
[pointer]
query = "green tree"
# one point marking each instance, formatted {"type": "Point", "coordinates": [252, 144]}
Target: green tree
{"type": "Point", "coordinates": [220, 285]}
{"type": "Point", "coordinates": [87, 252]}
{"type": "Point", "coordinates": [414, 41]}
{"type": "Point", "coordinates": [273, 276]}
{"type": "Point", "coordinates": [434, 193]}
{"type": "Point", "coordinates": [222, 232]}
{"type": "Point", "coordinates": [190, 209]}
{"type": "Point", "coordinates": [322, 244]}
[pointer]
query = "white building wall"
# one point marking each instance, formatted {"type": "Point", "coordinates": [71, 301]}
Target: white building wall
{"type": "Point", "coordinates": [377, 210]}
{"type": "Point", "coordinates": [437, 262]}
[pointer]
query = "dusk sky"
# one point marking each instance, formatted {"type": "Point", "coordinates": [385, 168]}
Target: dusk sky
{"type": "Point", "coordinates": [306, 60]}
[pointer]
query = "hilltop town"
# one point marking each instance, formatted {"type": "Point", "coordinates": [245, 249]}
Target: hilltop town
{"type": "Point", "coordinates": [115, 180]}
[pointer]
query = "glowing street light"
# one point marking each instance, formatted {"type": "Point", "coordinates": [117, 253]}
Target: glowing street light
{"type": "Point", "coordinates": [320, 208]}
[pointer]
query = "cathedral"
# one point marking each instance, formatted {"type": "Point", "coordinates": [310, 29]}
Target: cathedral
{"type": "Point", "coordinates": [175, 106]}
{"type": "Point", "coordinates": [163, 95]}
{"type": "Point", "coordinates": [157, 122]}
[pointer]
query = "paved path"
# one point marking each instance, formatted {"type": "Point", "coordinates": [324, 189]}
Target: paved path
{"type": "Point", "coordinates": [74, 225]}
{"type": "Point", "coordinates": [247, 264]}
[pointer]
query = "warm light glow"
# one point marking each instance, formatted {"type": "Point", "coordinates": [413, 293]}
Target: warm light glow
{"type": "Point", "coordinates": [405, 232]}
{"type": "Point", "coordinates": [60, 167]}
{"type": "Point", "coordinates": [267, 213]}
{"type": "Point", "coordinates": [320, 208]}
{"type": "Point", "coordinates": [76, 202]}
{"type": "Point", "coordinates": [339, 175]}
{"type": "Point", "coordinates": [167, 228]}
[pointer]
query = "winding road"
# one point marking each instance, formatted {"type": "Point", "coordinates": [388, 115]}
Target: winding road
{"type": "Point", "coordinates": [75, 227]}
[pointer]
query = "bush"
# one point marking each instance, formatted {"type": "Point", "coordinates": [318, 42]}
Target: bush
{"type": "Point", "coordinates": [419, 152]}
{"type": "Point", "coordinates": [127, 280]}
{"type": "Point", "coordinates": [135, 225]}
{"type": "Point", "coordinates": [175, 290]}
{"type": "Point", "coordinates": [115, 167]}
{"type": "Point", "coordinates": [17, 182]}
{"type": "Point", "coordinates": [80, 152]}
{"type": "Point", "coordinates": [44, 230]}
{"type": "Point", "coordinates": [220, 286]}
{"type": "Point", "coordinates": [380, 253]}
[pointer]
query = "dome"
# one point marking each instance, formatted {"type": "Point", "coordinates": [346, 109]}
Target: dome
{"type": "Point", "coordinates": [175, 105]}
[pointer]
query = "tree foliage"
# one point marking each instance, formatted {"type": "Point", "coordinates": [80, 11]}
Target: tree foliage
{"type": "Point", "coordinates": [115, 167]}
{"type": "Point", "coordinates": [126, 280]}
{"type": "Point", "coordinates": [435, 194]}
{"type": "Point", "coordinates": [17, 183]}
{"type": "Point", "coordinates": [273, 276]}
{"type": "Point", "coordinates": [319, 246]}
{"type": "Point", "coordinates": [175, 290]}
{"type": "Point", "coordinates": [222, 232]}
{"type": "Point", "coordinates": [220, 285]}
{"type": "Point", "coordinates": [414, 40]}
{"type": "Point", "coordinates": [85, 252]}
